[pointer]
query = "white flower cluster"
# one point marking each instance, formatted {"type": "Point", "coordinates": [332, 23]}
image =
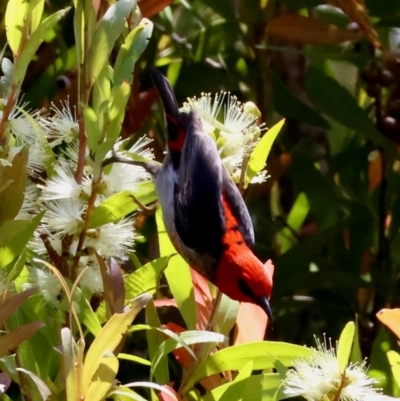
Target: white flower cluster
{"type": "Point", "coordinates": [233, 125]}
{"type": "Point", "coordinates": [318, 378]}
{"type": "Point", "coordinates": [52, 141]}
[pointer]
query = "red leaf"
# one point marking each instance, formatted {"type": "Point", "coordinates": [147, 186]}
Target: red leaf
{"type": "Point", "coordinates": [306, 30]}
{"type": "Point", "coordinates": [149, 8]}
{"type": "Point", "coordinates": [165, 396]}
{"type": "Point", "coordinates": [203, 299]}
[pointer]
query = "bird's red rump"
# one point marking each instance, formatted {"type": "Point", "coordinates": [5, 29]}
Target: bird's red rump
{"type": "Point", "coordinates": [176, 135]}
{"type": "Point", "coordinates": [232, 234]}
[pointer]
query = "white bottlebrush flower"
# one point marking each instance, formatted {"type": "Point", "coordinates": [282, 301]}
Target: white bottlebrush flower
{"type": "Point", "coordinates": [122, 177]}
{"type": "Point", "coordinates": [113, 239]}
{"type": "Point", "coordinates": [63, 217]}
{"type": "Point", "coordinates": [62, 185]}
{"type": "Point", "coordinates": [140, 147]}
{"type": "Point", "coordinates": [231, 123]}
{"type": "Point", "coordinates": [318, 378]}
{"type": "Point", "coordinates": [23, 130]}
{"type": "Point", "coordinates": [29, 206]}
{"type": "Point", "coordinates": [62, 126]}
{"type": "Point", "coordinates": [91, 279]}
{"type": "Point", "coordinates": [49, 285]}
{"type": "Point", "coordinates": [37, 158]}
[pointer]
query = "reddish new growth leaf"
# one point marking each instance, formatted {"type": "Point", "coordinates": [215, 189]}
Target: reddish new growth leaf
{"type": "Point", "coordinates": [252, 321]}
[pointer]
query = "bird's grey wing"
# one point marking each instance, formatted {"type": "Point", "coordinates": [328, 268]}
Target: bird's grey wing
{"type": "Point", "coordinates": [199, 217]}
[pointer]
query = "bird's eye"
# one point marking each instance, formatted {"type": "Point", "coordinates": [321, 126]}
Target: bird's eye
{"type": "Point", "coordinates": [244, 287]}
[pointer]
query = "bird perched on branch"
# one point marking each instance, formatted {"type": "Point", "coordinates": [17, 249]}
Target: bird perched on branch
{"type": "Point", "coordinates": [204, 212]}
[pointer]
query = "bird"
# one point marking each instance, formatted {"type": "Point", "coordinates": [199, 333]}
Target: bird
{"type": "Point", "coordinates": [204, 213]}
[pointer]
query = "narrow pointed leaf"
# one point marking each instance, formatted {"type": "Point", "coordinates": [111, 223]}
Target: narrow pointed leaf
{"type": "Point", "coordinates": [13, 304]}
{"type": "Point", "coordinates": [344, 345]}
{"type": "Point", "coordinates": [178, 275]}
{"type": "Point", "coordinates": [236, 357]}
{"type": "Point", "coordinates": [103, 378]}
{"type": "Point", "coordinates": [10, 341]}
{"type": "Point", "coordinates": [260, 153]}
{"type": "Point", "coordinates": [41, 386]}
{"type": "Point", "coordinates": [110, 337]}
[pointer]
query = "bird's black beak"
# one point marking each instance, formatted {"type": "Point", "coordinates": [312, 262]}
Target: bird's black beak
{"type": "Point", "coordinates": [264, 303]}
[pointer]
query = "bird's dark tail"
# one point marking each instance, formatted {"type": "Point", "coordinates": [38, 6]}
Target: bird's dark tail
{"type": "Point", "coordinates": [176, 121]}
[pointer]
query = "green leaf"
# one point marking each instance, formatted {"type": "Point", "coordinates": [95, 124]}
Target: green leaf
{"type": "Point", "coordinates": [16, 13]}
{"type": "Point", "coordinates": [288, 105]}
{"type": "Point", "coordinates": [41, 386]}
{"type": "Point", "coordinates": [236, 357]}
{"type": "Point", "coordinates": [92, 128]}
{"type": "Point", "coordinates": [107, 32]}
{"type": "Point", "coordinates": [155, 338]}
{"type": "Point", "coordinates": [17, 244]}
{"type": "Point", "coordinates": [146, 278]}
{"type": "Point", "coordinates": [134, 358]}
{"type": "Point", "coordinates": [319, 190]}
{"type": "Point", "coordinates": [12, 186]}
{"type": "Point", "coordinates": [178, 276]}
{"type": "Point", "coordinates": [356, 355]}
{"type": "Point", "coordinates": [238, 386]}
{"type": "Point", "coordinates": [337, 102]}
{"type": "Point", "coordinates": [345, 345]}
{"type": "Point", "coordinates": [257, 387]}
{"type": "Point", "coordinates": [183, 340]}
{"type": "Point", "coordinates": [130, 51]}
{"type": "Point", "coordinates": [260, 153]}
{"type": "Point", "coordinates": [36, 14]}
{"type": "Point", "coordinates": [295, 220]}
{"type": "Point", "coordinates": [86, 314]}
{"type": "Point", "coordinates": [394, 360]}
{"type": "Point", "coordinates": [122, 204]}
{"type": "Point", "coordinates": [33, 44]}
{"type": "Point", "coordinates": [226, 315]}
{"type": "Point", "coordinates": [72, 364]}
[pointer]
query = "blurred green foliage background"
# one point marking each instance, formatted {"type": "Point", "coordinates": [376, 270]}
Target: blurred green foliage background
{"type": "Point", "coordinates": [329, 214]}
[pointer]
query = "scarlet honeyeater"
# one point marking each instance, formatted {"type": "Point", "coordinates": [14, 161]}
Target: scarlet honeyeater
{"type": "Point", "coordinates": [204, 212]}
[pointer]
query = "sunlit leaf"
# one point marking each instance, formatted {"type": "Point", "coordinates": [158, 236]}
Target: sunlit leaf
{"type": "Point", "coordinates": [106, 34]}
{"type": "Point", "coordinates": [155, 339]}
{"type": "Point", "coordinates": [33, 44]}
{"type": "Point", "coordinates": [178, 275]}
{"type": "Point", "coordinates": [260, 153]}
{"type": "Point", "coordinates": [236, 357]}
{"type": "Point", "coordinates": [110, 337]}
{"type": "Point", "coordinates": [14, 20]}
{"type": "Point", "coordinates": [130, 51]}
{"type": "Point", "coordinates": [103, 378]}
{"type": "Point", "coordinates": [257, 387]}
{"type": "Point", "coordinates": [345, 345]}
{"type": "Point", "coordinates": [146, 278]}
{"type": "Point", "coordinates": [72, 364]}
{"type": "Point", "coordinates": [394, 360]}
{"type": "Point", "coordinates": [133, 358]}
{"type": "Point", "coordinates": [14, 247]}
{"type": "Point", "coordinates": [12, 186]}
{"type": "Point", "coordinates": [122, 204]}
